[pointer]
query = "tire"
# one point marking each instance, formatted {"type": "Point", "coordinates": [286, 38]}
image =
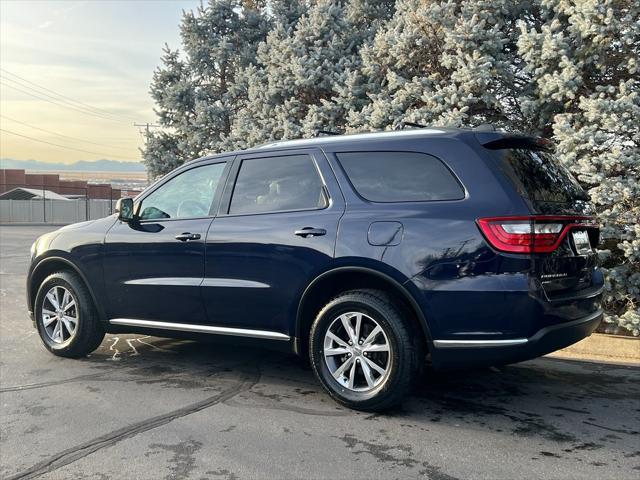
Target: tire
{"type": "Point", "coordinates": [401, 364]}
{"type": "Point", "coordinates": [67, 341]}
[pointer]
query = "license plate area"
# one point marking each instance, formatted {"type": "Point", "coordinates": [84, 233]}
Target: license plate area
{"type": "Point", "coordinates": [581, 243]}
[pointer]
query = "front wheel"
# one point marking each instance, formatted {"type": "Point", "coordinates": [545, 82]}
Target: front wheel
{"type": "Point", "coordinates": [363, 350]}
{"type": "Point", "coordinates": [66, 318]}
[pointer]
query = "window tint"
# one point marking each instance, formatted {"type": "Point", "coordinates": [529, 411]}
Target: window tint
{"type": "Point", "coordinates": [277, 183]}
{"type": "Point", "coordinates": [188, 195]}
{"type": "Point", "coordinates": [400, 176]}
{"type": "Point", "coordinates": [538, 176]}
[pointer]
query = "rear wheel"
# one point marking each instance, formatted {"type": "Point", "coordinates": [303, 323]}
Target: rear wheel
{"type": "Point", "coordinates": [66, 318]}
{"type": "Point", "coordinates": [363, 351]}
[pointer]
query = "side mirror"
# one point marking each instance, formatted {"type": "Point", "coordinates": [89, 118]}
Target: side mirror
{"type": "Point", "coordinates": [124, 209]}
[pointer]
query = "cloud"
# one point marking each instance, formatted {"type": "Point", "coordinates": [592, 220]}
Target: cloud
{"type": "Point", "coordinates": [46, 24]}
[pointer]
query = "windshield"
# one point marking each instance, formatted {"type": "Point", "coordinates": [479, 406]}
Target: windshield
{"type": "Point", "coordinates": [538, 176]}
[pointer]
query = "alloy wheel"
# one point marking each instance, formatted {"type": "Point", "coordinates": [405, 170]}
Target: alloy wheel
{"type": "Point", "coordinates": [357, 352]}
{"type": "Point", "coordinates": [59, 314]}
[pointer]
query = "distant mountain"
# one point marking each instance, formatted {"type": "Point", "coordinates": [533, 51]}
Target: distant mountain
{"type": "Point", "coordinates": [81, 166]}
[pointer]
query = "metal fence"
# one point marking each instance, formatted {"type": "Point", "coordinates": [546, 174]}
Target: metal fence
{"type": "Point", "coordinates": [53, 211]}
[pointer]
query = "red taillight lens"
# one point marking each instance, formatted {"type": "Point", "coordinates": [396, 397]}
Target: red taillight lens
{"type": "Point", "coordinates": [532, 234]}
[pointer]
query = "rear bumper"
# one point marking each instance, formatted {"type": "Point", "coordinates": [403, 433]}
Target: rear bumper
{"type": "Point", "coordinates": [453, 354]}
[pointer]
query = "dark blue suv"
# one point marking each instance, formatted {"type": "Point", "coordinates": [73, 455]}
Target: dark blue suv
{"type": "Point", "coordinates": [370, 254]}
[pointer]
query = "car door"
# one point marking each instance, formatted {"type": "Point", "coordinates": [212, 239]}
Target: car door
{"type": "Point", "coordinates": [154, 265]}
{"type": "Point", "coordinates": [275, 232]}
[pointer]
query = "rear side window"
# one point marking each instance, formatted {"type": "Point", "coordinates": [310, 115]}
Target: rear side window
{"type": "Point", "coordinates": [400, 176]}
{"type": "Point", "coordinates": [275, 184]}
{"type": "Point", "coordinates": [536, 175]}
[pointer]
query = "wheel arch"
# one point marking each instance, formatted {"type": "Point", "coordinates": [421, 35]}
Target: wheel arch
{"type": "Point", "coordinates": [49, 265]}
{"type": "Point", "coordinates": [330, 283]}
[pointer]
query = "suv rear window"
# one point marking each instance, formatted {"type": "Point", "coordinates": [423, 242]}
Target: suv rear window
{"type": "Point", "coordinates": [537, 175]}
{"type": "Point", "coordinates": [400, 176]}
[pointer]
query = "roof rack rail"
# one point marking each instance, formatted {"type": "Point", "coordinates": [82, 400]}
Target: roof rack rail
{"type": "Point", "coordinates": [320, 132]}
{"type": "Point", "coordinates": [411, 124]}
{"type": "Point", "coordinates": [485, 127]}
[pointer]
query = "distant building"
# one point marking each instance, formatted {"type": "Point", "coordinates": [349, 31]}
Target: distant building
{"type": "Point", "coordinates": [11, 179]}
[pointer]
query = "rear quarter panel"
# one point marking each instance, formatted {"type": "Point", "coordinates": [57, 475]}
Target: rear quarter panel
{"type": "Point", "coordinates": [442, 257]}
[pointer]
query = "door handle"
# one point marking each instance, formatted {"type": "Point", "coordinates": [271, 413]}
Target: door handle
{"type": "Point", "coordinates": [186, 236]}
{"type": "Point", "coordinates": [311, 232]}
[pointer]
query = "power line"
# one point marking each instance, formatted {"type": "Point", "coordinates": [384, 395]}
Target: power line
{"type": "Point", "coordinates": [147, 128]}
{"type": "Point", "coordinates": [63, 146]}
{"type": "Point", "coordinates": [39, 97]}
{"type": "Point", "coordinates": [61, 135]}
{"type": "Point", "coordinates": [84, 105]}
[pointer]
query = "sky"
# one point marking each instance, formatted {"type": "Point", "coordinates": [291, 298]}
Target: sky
{"type": "Point", "coordinates": [77, 73]}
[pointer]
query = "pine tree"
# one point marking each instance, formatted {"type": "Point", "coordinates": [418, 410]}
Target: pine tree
{"type": "Point", "coordinates": [437, 62]}
{"type": "Point", "coordinates": [301, 69]}
{"type": "Point", "coordinates": [583, 59]}
{"type": "Point", "coordinates": [196, 91]}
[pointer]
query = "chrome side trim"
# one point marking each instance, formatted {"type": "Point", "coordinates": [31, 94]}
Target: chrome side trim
{"type": "Point", "coordinates": [232, 283]}
{"type": "Point", "coordinates": [197, 282]}
{"type": "Point", "coordinates": [478, 343]}
{"type": "Point", "coordinates": [185, 327]}
{"type": "Point", "coordinates": [166, 281]}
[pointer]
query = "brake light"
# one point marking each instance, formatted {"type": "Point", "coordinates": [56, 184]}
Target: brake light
{"type": "Point", "coordinates": [531, 234]}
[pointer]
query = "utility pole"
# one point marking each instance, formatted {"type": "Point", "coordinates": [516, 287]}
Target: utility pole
{"type": "Point", "coordinates": [146, 132]}
{"type": "Point", "coordinates": [147, 128]}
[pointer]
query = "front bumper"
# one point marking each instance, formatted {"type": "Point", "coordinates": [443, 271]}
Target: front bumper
{"type": "Point", "coordinates": [456, 354]}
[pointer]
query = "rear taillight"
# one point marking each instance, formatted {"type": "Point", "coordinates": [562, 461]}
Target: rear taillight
{"type": "Point", "coordinates": [531, 234]}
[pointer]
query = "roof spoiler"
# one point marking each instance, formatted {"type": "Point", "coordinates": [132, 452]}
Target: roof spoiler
{"type": "Point", "coordinates": [500, 140]}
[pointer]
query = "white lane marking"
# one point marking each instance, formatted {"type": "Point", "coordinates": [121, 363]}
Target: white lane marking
{"type": "Point", "coordinates": [116, 354]}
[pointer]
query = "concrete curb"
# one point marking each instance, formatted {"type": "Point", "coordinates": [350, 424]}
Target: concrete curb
{"type": "Point", "coordinates": [603, 348]}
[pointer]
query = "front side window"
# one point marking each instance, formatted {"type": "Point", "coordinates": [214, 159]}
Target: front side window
{"type": "Point", "coordinates": [399, 176]}
{"type": "Point", "coordinates": [275, 184]}
{"type": "Point", "coordinates": [189, 195]}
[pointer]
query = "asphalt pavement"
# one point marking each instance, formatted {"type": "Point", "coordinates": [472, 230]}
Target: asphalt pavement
{"type": "Point", "coordinates": [151, 408]}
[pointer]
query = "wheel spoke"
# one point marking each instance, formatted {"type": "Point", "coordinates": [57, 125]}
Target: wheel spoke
{"type": "Point", "coordinates": [374, 365]}
{"type": "Point", "coordinates": [352, 375]}
{"type": "Point", "coordinates": [357, 329]}
{"type": "Point", "coordinates": [63, 324]}
{"type": "Point", "coordinates": [372, 335]}
{"type": "Point", "coordinates": [342, 368]}
{"type": "Point", "coordinates": [337, 339]}
{"type": "Point", "coordinates": [48, 320]}
{"type": "Point", "coordinates": [335, 351]}
{"type": "Point", "coordinates": [68, 306]}
{"type": "Point", "coordinates": [56, 332]}
{"type": "Point", "coordinates": [346, 323]}
{"type": "Point", "coordinates": [65, 299]}
{"type": "Point", "coordinates": [57, 293]}
{"type": "Point", "coordinates": [375, 347]}
{"type": "Point", "coordinates": [367, 373]}
{"type": "Point", "coordinates": [53, 299]}
{"type": "Point", "coordinates": [69, 323]}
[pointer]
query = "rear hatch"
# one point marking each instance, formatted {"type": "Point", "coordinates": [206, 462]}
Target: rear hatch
{"type": "Point", "coordinates": [561, 233]}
